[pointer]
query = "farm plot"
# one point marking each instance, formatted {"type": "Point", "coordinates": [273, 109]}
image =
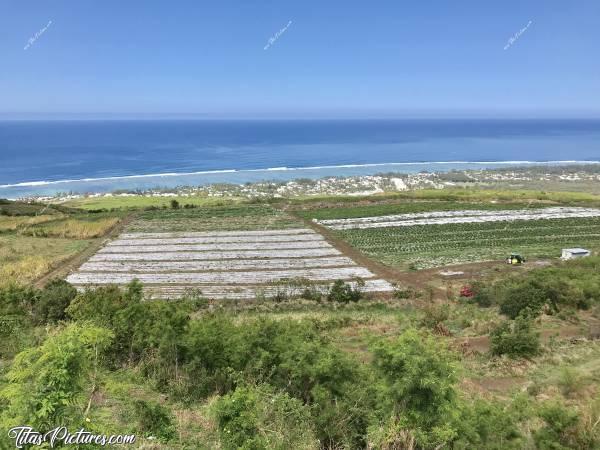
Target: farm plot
{"type": "Point", "coordinates": [464, 216]}
{"type": "Point", "coordinates": [230, 217]}
{"type": "Point", "coordinates": [433, 243]}
{"type": "Point", "coordinates": [224, 264]}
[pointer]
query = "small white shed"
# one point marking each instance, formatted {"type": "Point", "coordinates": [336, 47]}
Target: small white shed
{"type": "Point", "coordinates": [571, 253]}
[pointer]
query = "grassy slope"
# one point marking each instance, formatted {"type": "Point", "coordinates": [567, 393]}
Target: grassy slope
{"type": "Point", "coordinates": [36, 238]}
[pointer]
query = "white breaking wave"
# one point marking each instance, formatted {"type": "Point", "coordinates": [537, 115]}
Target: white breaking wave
{"type": "Point", "coordinates": [283, 169]}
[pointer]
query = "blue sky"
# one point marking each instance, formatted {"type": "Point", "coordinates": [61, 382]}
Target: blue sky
{"type": "Point", "coordinates": [337, 58]}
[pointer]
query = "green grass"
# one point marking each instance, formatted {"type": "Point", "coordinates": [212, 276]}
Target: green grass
{"type": "Point", "coordinates": [18, 208]}
{"type": "Point", "coordinates": [36, 238]}
{"type": "Point", "coordinates": [24, 259]}
{"type": "Point", "coordinates": [437, 245]}
{"type": "Point", "coordinates": [466, 194]}
{"type": "Point", "coordinates": [220, 218]}
{"type": "Point", "coordinates": [140, 202]}
{"type": "Point", "coordinates": [12, 223]}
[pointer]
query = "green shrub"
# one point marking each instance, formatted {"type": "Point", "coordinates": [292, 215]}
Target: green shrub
{"type": "Point", "coordinates": [420, 378]}
{"type": "Point", "coordinates": [520, 297]}
{"type": "Point", "coordinates": [44, 382]}
{"type": "Point", "coordinates": [482, 295]}
{"type": "Point", "coordinates": [262, 418]}
{"type": "Point", "coordinates": [559, 430]}
{"type": "Point", "coordinates": [219, 355]}
{"type": "Point", "coordinates": [435, 316]}
{"type": "Point", "coordinates": [575, 284]}
{"type": "Point", "coordinates": [487, 425]}
{"type": "Point", "coordinates": [570, 380]}
{"type": "Point", "coordinates": [16, 300]}
{"type": "Point", "coordinates": [53, 301]}
{"type": "Point", "coordinates": [515, 338]}
{"type": "Point", "coordinates": [344, 293]}
{"type": "Point", "coordinates": [153, 419]}
{"type": "Point", "coordinates": [312, 293]}
{"type": "Point", "coordinates": [101, 304]}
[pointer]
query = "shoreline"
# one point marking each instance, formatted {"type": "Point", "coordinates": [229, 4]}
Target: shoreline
{"type": "Point", "coordinates": [279, 176]}
{"type": "Point", "coordinates": [515, 163]}
{"type": "Point", "coordinates": [576, 177]}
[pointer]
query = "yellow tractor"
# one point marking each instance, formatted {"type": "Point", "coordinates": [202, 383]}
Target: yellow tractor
{"type": "Point", "coordinates": [515, 259]}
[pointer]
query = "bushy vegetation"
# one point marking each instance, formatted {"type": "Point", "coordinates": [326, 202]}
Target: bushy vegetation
{"type": "Point", "coordinates": [267, 383]}
{"type": "Point", "coordinates": [344, 293]}
{"type": "Point", "coordinates": [45, 383]}
{"type": "Point", "coordinates": [261, 417]}
{"type": "Point", "coordinates": [569, 285]}
{"type": "Point", "coordinates": [515, 338]}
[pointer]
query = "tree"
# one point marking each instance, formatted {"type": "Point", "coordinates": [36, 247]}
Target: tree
{"type": "Point", "coordinates": [174, 204]}
{"type": "Point", "coordinates": [16, 300]}
{"type": "Point", "coordinates": [45, 383]}
{"type": "Point", "coordinates": [220, 355]}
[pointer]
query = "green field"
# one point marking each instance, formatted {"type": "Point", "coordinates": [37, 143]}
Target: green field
{"type": "Point", "coordinates": [143, 201]}
{"type": "Point", "coordinates": [381, 209]}
{"type": "Point", "coordinates": [216, 218]}
{"type": "Point", "coordinates": [437, 245]}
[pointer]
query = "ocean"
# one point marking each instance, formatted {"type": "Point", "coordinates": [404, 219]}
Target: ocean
{"type": "Point", "coordinates": [48, 157]}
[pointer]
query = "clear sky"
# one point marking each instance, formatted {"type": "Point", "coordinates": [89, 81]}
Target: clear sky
{"type": "Point", "coordinates": [337, 58]}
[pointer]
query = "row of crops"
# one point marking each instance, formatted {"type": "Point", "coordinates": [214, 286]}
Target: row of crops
{"type": "Point", "coordinates": [460, 216]}
{"type": "Point", "coordinates": [435, 245]}
{"type": "Point", "coordinates": [229, 217]}
{"type": "Point", "coordinates": [222, 264]}
{"type": "Point", "coordinates": [406, 207]}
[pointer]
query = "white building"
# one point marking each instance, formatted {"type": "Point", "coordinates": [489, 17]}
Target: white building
{"type": "Point", "coordinates": [571, 253]}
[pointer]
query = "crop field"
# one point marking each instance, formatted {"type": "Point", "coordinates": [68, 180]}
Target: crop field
{"type": "Point", "coordinates": [405, 207]}
{"type": "Point", "coordinates": [417, 236]}
{"type": "Point", "coordinates": [426, 246]}
{"type": "Point", "coordinates": [231, 217]}
{"type": "Point", "coordinates": [464, 216]}
{"type": "Point", "coordinates": [224, 264]}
